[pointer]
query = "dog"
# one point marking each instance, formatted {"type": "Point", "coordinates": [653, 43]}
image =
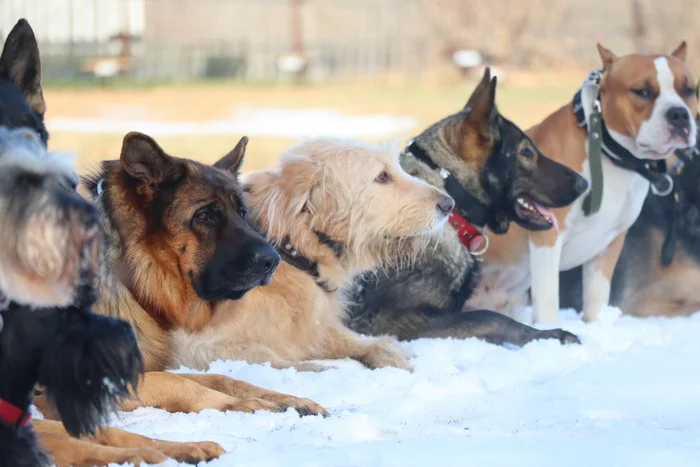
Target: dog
{"type": "Point", "coordinates": [333, 208]}
{"type": "Point", "coordinates": [635, 112]}
{"type": "Point", "coordinates": [48, 261]}
{"type": "Point", "coordinates": [658, 271]}
{"type": "Point", "coordinates": [175, 244]}
{"type": "Point", "coordinates": [487, 164]}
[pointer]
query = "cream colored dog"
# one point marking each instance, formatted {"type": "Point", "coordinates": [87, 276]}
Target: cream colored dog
{"type": "Point", "coordinates": [334, 209]}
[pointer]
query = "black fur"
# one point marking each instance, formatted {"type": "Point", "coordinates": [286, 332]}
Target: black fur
{"type": "Point", "coordinates": [85, 362]}
{"type": "Point", "coordinates": [21, 98]}
{"type": "Point", "coordinates": [428, 299]}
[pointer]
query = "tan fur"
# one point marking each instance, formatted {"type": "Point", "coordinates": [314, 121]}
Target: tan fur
{"type": "Point", "coordinates": [653, 290]}
{"type": "Point", "coordinates": [100, 450]}
{"type": "Point", "coordinates": [326, 186]}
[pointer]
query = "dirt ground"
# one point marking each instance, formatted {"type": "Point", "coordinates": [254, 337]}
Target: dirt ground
{"type": "Point", "coordinates": [525, 100]}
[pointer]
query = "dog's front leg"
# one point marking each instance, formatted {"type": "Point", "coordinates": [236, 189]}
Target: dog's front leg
{"type": "Point", "coordinates": [174, 393]}
{"type": "Point", "coordinates": [116, 446]}
{"type": "Point", "coordinates": [545, 255]}
{"type": "Point", "coordinates": [597, 276]}
{"type": "Point", "coordinates": [372, 352]}
{"type": "Point", "coordinates": [243, 390]}
{"type": "Point", "coordinates": [66, 451]}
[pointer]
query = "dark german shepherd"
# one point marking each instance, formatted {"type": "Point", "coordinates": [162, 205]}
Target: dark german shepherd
{"type": "Point", "coordinates": [488, 165]}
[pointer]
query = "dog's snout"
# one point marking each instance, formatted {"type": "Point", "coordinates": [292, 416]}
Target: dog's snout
{"type": "Point", "coordinates": [678, 117]}
{"type": "Point", "coordinates": [267, 259]}
{"type": "Point", "coordinates": [445, 204]}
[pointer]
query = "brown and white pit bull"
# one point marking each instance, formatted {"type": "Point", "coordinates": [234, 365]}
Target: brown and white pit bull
{"type": "Point", "coordinates": [647, 103]}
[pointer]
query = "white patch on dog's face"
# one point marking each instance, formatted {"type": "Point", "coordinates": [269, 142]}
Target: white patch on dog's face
{"type": "Point", "coordinates": [655, 139]}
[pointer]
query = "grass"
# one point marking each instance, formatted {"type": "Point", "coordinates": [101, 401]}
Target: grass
{"type": "Point", "coordinates": [525, 99]}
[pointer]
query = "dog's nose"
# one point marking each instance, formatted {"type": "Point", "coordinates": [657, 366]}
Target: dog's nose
{"type": "Point", "coordinates": [581, 185]}
{"type": "Point", "coordinates": [266, 259]}
{"type": "Point", "coordinates": [446, 204]}
{"type": "Point", "coordinates": [678, 117]}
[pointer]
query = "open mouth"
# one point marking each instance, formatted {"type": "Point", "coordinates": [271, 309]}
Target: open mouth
{"type": "Point", "coordinates": [533, 216]}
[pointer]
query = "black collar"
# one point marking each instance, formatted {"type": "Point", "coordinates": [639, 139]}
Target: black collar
{"type": "Point", "coordinates": [293, 257]}
{"type": "Point", "coordinates": [654, 171]}
{"type": "Point", "coordinates": [467, 204]}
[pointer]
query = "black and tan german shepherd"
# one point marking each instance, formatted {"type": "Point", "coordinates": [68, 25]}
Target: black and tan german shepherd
{"type": "Point", "coordinates": [489, 166]}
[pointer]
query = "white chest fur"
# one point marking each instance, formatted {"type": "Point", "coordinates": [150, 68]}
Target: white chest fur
{"type": "Point", "coordinates": [584, 237]}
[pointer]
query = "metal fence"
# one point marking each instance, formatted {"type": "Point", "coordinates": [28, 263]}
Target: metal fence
{"type": "Point", "coordinates": [245, 39]}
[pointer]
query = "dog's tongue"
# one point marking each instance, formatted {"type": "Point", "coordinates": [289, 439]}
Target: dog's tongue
{"type": "Point", "coordinates": [549, 215]}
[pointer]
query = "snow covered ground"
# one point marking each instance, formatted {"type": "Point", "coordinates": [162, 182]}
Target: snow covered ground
{"type": "Point", "coordinates": [629, 396]}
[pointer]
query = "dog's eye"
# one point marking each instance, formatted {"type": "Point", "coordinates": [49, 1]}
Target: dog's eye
{"type": "Point", "coordinates": [69, 184]}
{"type": "Point", "coordinates": [687, 92]}
{"type": "Point", "coordinates": [644, 93]}
{"type": "Point", "coordinates": [383, 177]}
{"type": "Point", "coordinates": [242, 212]}
{"type": "Point", "coordinates": [528, 153]}
{"type": "Point", "coordinates": [205, 216]}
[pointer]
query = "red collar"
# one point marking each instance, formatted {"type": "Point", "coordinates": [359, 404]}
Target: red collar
{"type": "Point", "coordinates": [470, 236]}
{"type": "Point", "coordinates": [13, 415]}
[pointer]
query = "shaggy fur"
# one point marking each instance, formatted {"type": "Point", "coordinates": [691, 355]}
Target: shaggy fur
{"type": "Point", "coordinates": [497, 163]}
{"type": "Point", "coordinates": [347, 206]}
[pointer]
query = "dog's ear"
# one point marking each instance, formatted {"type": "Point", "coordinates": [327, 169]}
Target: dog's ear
{"type": "Point", "coordinates": [681, 52]}
{"type": "Point", "coordinates": [20, 64]}
{"type": "Point", "coordinates": [606, 56]}
{"type": "Point", "coordinates": [233, 160]}
{"type": "Point", "coordinates": [142, 158]}
{"type": "Point", "coordinates": [480, 113]}
{"type": "Point", "coordinates": [296, 183]}
{"type": "Point", "coordinates": [480, 90]}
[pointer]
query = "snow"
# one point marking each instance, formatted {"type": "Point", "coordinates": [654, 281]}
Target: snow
{"type": "Point", "coordinates": [629, 396]}
{"type": "Point", "coordinates": [278, 122]}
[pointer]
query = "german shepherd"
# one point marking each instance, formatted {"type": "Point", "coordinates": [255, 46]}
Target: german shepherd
{"type": "Point", "coordinates": [658, 273]}
{"type": "Point", "coordinates": [176, 245]}
{"type": "Point", "coordinates": [488, 165]}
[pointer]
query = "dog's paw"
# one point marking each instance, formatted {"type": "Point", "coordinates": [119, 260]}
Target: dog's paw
{"type": "Point", "coordinates": [564, 337]}
{"type": "Point", "coordinates": [303, 406]}
{"type": "Point", "coordinates": [136, 456]}
{"type": "Point", "coordinates": [385, 352]}
{"type": "Point", "coordinates": [252, 405]}
{"type": "Point", "coordinates": [311, 366]}
{"type": "Point", "coordinates": [192, 453]}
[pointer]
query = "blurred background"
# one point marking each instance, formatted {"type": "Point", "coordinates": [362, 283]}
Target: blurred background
{"type": "Point", "coordinates": [198, 74]}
